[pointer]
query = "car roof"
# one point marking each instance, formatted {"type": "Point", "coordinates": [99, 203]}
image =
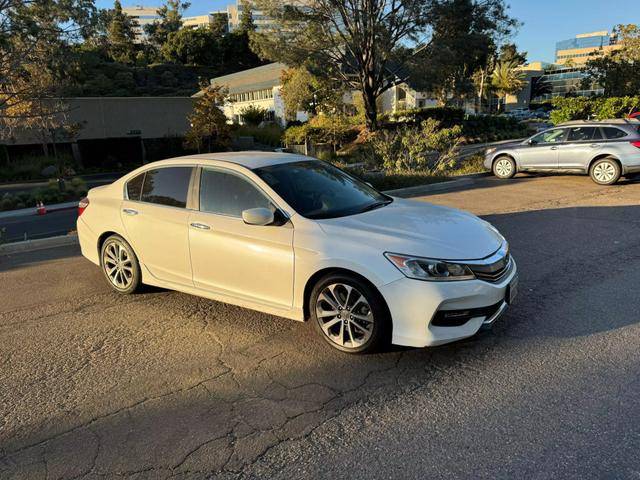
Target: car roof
{"type": "Point", "coordinates": [614, 121]}
{"type": "Point", "coordinates": [249, 159]}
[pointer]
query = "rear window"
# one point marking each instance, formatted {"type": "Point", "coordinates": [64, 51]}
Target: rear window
{"type": "Point", "coordinates": [611, 133]}
{"type": "Point", "coordinates": [167, 186]}
{"type": "Point", "coordinates": [134, 187]}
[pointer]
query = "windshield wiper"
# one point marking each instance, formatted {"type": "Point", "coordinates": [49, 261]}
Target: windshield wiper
{"type": "Point", "coordinates": [375, 205]}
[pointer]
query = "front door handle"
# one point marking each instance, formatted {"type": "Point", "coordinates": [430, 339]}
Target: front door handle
{"type": "Point", "coordinates": [200, 226]}
{"type": "Point", "coordinates": [554, 148]}
{"type": "Point", "coordinates": [130, 211]}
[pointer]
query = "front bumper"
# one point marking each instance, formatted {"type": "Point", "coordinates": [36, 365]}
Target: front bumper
{"type": "Point", "coordinates": [413, 305]}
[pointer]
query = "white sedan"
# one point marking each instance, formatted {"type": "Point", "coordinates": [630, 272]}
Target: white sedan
{"type": "Point", "coordinates": [297, 237]}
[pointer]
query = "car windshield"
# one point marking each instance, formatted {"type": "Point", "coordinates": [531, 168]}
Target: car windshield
{"type": "Point", "coordinates": [550, 136]}
{"type": "Point", "coordinates": [316, 189]}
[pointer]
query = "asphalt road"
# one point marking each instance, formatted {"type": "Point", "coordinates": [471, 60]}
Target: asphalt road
{"type": "Point", "coordinates": [28, 227]}
{"type": "Point", "coordinates": [165, 385]}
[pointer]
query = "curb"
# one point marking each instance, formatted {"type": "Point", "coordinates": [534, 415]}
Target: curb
{"type": "Point", "coordinates": [436, 187]}
{"type": "Point", "coordinates": [38, 244]}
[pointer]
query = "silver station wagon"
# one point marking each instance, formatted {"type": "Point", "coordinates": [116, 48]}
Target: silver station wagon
{"type": "Point", "coordinates": [605, 150]}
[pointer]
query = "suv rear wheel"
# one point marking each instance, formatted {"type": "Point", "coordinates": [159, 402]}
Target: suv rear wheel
{"type": "Point", "coordinates": [504, 167]}
{"type": "Point", "coordinates": [605, 171]}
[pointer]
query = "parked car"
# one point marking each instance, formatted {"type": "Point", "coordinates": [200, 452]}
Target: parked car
{"type": "Point", "coordinates": [605, 150]}
{"type": "Point", "coordinates": [297, 237]}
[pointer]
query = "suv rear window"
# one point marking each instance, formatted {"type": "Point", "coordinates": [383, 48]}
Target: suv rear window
{"type": "Point", "coordinates": [167, 186]}
{"type": "Point", "coordinates": [611, 133]}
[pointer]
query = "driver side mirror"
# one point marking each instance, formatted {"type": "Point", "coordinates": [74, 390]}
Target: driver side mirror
{"type": "Point", "coordinates": [531, 141]}
{"type": "Point", "coordinates": [258, 216]}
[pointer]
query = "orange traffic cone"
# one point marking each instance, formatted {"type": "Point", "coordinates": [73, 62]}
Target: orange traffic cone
{"type": "Point", "coordinates": [41, 209]}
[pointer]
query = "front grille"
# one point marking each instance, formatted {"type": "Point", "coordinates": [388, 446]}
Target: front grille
{"type": "Point", "coordinates": [457, 318]}
{"type": "Point", "coordinates": [493, 272]}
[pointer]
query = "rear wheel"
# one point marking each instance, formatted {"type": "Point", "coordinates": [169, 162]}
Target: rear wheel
{"type": "Point", "coordinates": [605, 171]}
{"type": "Point", "coordinates": [349, 314]}
{"type": "Point", "coordinates": [120, 265]}
{"type": "Point", "coordinates": [504, 167]}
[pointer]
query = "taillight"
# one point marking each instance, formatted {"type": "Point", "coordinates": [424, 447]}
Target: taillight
{"type": "Point", "coordinates": [82, 205]}
{"type": "Point", "coordinates": [636, 144]}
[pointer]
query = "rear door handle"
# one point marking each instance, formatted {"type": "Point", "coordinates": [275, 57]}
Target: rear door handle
{"type": "Point", "coordinates": [595, 145]}
{"type": "Point", "coordinates": [554, 148]}
{"type": "Point", "coordinates": [130, 211]}
{"type": "Point", "coordinates": [200, 226]}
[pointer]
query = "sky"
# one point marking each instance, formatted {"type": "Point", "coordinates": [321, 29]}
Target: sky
{"type": "Point", "coordinates": [544, 21]}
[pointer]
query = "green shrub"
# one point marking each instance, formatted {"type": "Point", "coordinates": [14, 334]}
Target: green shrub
{"type": "Point", "coordinates": [253, 115]}
{"type": "Point", "coordinates": [586, 108]}
{"type": "Point", "coordinates": [446, 115]}
{"type": "Point", "coordinates": [266, 134]}
{"type": "Point", "coordinates": [428, 148]}
{"type": "Point", "coordinates": [333, 129]}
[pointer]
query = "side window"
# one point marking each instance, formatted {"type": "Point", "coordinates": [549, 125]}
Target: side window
{"type": "Point", "coordinates": [167, 186]}
{"type": "Point", "coordinates": [229, 194]}
{"type": "Point", "coordinates": [550, 136]}
{"type": "Point", "coordinates": [581, 134]}
{"type": "Point", "coordinates": [134, 187]}
{"type": "Point", "coordinates": [611, 133]}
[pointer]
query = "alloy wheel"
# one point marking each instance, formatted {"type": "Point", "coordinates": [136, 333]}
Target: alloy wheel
{"type": "Point", "coordinates": [118, 265]}
{"type": "Point", "coordinates": [504, 167]}
{"type": "Point", "coordinates": [604, 172]}
{"type": "Point", "coordinates": [344, 315]}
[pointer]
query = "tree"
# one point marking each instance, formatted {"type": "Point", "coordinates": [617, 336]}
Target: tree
{"type": "Point", "coordinates": [629, 37]}
{"type": "Point", "coordinates": [509, 54]}
{"type": "Point", "coordinates": [253, 115]}
{"type": "Point", "coordinates": [304, 92]}
{"type": "Point", "coordinates": [121, 36]}
{"type": "Point", "coordinates": [507, 80]}
{"type": "Point", "coordinates": [170, 21]}
{"type": "Point", "coordinates": [197, 46]}
{"type": "Point", "coordinates": [208, 123]}
{"type": "Point", "coordinates": [354, 42]}
{"type": "Point", "coordinates": [36, 58]}
{"type": "Point", "coordinates": [462, 45]}
{"type": "Point", "coordinates": [619, 72]}
{"type": "Point", "coordinates": [246, 18]}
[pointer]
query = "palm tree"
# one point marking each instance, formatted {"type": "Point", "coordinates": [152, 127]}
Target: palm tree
{"type": "Point", "coordinates": [507, 80]}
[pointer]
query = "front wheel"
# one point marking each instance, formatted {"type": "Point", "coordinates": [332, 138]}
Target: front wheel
{"type": "Point", "coordinates": [350, 314]}
{"type": "Point", "coordinates": [120, 265]}
{"type": "Point", "coordinates": [504, 167]}
{"type": "Point", "coordinates": [605, 171]}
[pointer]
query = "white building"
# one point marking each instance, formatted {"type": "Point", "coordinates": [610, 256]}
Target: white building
{"type": "Point", "coordinates": [147, 15]}
{"type": "Point", "coordinates": [260, 87]}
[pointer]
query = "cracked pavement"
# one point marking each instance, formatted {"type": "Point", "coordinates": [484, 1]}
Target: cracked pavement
{"type": "Point", "coordinates": [165, 385]}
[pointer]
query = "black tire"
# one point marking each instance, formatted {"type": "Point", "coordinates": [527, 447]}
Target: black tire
{"type": "Point", "coordinates": [379, 330]}
{"type": "Point", "coordinates": [130, 275]}
{"type": "Point", "coordinates": [500, 170]}
{"type": "Point", "coordinates": [605, 171]}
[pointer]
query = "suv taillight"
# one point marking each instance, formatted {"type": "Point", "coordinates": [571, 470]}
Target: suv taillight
{"type": "Point", "coordinates": [82, 205]}
{"type": "Point", "coordinates": [636, 144]}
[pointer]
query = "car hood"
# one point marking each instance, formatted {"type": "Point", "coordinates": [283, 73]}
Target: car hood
{"type": "Point", "coordinates": [507, 145]}
{"type": "Point", "coordinates": [418, 228]}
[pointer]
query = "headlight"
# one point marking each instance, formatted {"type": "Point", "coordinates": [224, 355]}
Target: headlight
{"type": "Point", "coordinates": [489, 151]}
{"type": "Point", "coordinates": [430, 269]}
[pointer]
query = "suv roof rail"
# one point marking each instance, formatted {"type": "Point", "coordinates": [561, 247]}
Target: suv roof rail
{"type": "Point", "coordinates": [613, 121]}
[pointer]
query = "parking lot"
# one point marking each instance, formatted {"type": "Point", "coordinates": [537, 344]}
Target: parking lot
{"type": "Point", "coordinates": [166, 385]}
